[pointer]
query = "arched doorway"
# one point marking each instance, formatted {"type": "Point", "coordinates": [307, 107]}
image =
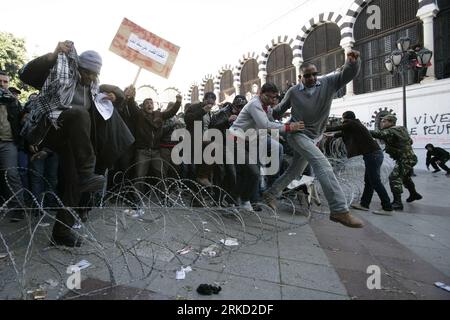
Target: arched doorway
{"type": "Point", "coordinates": [195, 95]}
{"type": "Point", "coordinates": [209, 86]}
{"type": "Point", "coordinates": [322, 47]}
{"type": "Point", "coordinates": [226, 86]}
{"type": "Point", "coordinates": [249, 78]}
{"type": "Point", "coordinates": [376, 45]}
{"type": "Point", "coordinates": [280, 69]}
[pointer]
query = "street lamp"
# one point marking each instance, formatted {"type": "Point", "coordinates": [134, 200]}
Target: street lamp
{"type": "Point", "coordinates": [402, 59]}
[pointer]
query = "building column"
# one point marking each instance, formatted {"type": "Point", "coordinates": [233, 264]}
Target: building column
{"type": "Point", "coordinates": [297, 62]}
{"type": "Point", "coordinates": [237, 87]}
{"type": "Point", "coordinates": [217, 93]}
{"type": "Point", "coordinates": [263, 77]}
{"type": "Point", "coordinates": [427, 15]}
{"type": "Point", "coordinates": [348, 46]}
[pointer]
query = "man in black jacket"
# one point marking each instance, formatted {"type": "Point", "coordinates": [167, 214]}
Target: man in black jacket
{"type": "Point", "coordinates": [358, 141]}
{"type": "Point", "coordinates": [437, 157]}
{"type": "Point", "coordinates": [222, 121]}
{"type": "Point", "coordinates": [200, 113]}
{"type": "Point", "coordinates": [149, 130]}
{"type": "Point", "coordinates": [9, 138]}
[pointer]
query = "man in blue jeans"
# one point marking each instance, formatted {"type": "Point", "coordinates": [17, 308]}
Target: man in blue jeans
{"type": "Point", "coordinates": [311, 101]}
{"type": "Point", "coordinates": [358, 141]}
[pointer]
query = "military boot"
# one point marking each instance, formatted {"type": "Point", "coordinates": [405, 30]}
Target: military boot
{"type": "Point", "coordinates": [413, 195]}
{"type": "Point", "coordinates": [397, 204]}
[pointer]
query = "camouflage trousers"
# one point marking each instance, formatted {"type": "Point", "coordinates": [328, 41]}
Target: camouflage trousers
{"type": "Point", "coordinates": [401, 175]}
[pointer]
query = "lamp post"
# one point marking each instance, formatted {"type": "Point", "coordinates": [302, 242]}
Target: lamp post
{"type": "Point", "coordinates": [402, 59]}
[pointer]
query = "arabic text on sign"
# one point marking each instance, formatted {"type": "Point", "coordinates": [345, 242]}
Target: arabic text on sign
{"type": "Point", "coordinates": [147, 49]}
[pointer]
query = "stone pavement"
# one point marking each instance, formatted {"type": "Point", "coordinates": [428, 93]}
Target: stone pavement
{"type": "Point", "coordinates": [282, 257]}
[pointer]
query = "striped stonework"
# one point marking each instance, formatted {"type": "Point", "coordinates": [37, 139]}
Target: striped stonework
{"type": "Point", "coordinates": [423, 3]}
{"type": "Point", "coordinates": [242, 61]}
{"type": "Point", "coordinates": [272, 45]}
{"type": "Point", "coordinates": [222, 70]}
{"type": "Point", "coordinates": [201, 90]}
{"type": "Point", "coordinates": [326, 17]}
{"type": "Point", "coordinates": [189, 93]}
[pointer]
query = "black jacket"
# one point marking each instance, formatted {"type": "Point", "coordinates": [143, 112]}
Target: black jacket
{"type": "Point", "coordinates": [439, 154]}
{"type": "Point", "coordinates": [356, 137]}
{"type": "Point", "coordinates": [35, 72]}
{"type": "Point", "coordinates": [193, 114]}
{"type": "Point", "coordinates": [14, 111]}
{"type": "Point", "coordinates": [220, 120]}
{"type": "Point", "coordinates": [129, 111]}
{"type": "Point", "coordinates": [149, 127]}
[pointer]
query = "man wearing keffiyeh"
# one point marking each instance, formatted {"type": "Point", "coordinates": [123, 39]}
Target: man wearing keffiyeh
{"type": "Point", "coordinates": [68, 117]}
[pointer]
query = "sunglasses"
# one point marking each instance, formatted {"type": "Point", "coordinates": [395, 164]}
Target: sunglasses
{"type": "Point", "coordinates": [240, 102]}
{"type": "Point", "coordinates": [309, 75]}
{"type": "Point", "coordinates": [272, 97]}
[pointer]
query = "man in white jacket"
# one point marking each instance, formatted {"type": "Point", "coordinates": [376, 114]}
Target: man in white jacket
{"type": "Point", "coordinates": [256, 115]}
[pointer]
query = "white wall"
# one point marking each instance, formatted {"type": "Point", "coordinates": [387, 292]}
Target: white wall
{"type": "Point", "coordinates": [428, 112]}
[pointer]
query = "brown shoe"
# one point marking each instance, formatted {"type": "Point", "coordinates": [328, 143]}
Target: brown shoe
{"type": "Point", "coordinates": [270, 201]}
{"type": "Point", "coordinates": [347, 220]}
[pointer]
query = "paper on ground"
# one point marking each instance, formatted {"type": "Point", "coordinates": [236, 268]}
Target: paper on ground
{"type": "Point", "coordinates": [442, 286]}
{"type": "Point", "coordinates": [230, 242]}
{"type": "Point", "coordinates": [305, 180]}
{"type": "Point", "coordinates": [181, 274]}
{"type": "Point", "coordinates": [210, 251]}
{"type": "Point", "coordinates": [83, 264]}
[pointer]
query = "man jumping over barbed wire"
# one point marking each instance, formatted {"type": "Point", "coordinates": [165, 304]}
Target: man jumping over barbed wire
{"type": "Point", "coordinates": [311, 101]}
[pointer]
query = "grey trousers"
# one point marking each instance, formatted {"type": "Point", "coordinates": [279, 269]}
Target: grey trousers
{"type": "Point", "coordinates": [306, 151]}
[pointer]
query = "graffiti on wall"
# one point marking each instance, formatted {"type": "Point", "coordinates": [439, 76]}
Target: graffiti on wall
{"type": "Point", "coordinates": [430, 128]}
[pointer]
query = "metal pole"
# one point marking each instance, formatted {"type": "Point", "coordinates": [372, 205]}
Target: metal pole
{"type": "Point", "coordinates": [404, 96]}
{"type": "Point", "coordinates": [137, 76]}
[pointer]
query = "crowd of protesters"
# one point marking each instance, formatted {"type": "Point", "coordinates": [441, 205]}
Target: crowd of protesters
{"type": "Point", "coordinates": [64, 140]}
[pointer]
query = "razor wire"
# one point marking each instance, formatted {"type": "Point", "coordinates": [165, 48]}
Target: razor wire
{"type": "Point", "coordinates": [132, 242]}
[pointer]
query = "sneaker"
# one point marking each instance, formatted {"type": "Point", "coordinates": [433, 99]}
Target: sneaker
{"type": "Point", "coordinates": [436, 171]}
{"type": "Point", "coordinates": [383, 212]}
{"type": "Point", "coordinates": [270, 201]}
{"type": "Point", "coordinates": [247, 206]}
{"type": "Point", "coordinates": [347, 220]}
{"type": "Point", "coordinates": [357, 206]}
{"type": "Point", "coordinates": [92, 183]}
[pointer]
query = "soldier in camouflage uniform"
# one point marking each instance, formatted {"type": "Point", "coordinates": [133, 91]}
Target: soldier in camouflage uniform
{"type": "Point", "coordinates": [399, 147]}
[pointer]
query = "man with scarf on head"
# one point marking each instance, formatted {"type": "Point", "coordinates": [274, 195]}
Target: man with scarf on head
{"type": "Point", "coordinates": [87, 136]}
